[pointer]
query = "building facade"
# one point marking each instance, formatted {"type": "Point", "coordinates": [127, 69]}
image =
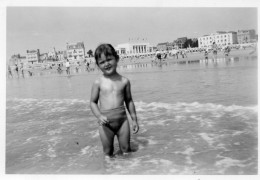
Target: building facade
{"type": "Point", "coordinates": [61, 55]}
{"type": "Point", "coordinates": [220, 38]}
{"type": "Point", "coordinates": [33, 56]}
{"type": "Point", "coordinates": [162, 46]}
{"type": "Point", "coordinates": [15, 59]}
{"type": "Point", "coordinates": [52, 55]}
{"type": "Point", "coordinates": [134, 48]}
{"type": "Point", "coordinates": [75, 51]}
{"type": "Point", "coordinates": [246, 36]}
{"type": "Point", "coordinates": [43, 57]}
{"type": "Point", "coordinates": [179, 43]}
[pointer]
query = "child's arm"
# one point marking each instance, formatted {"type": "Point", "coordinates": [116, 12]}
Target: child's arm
{"type": "Point", "coordinates": [131, 107]}
{"type": "Point", "coordinates": [102, 120]}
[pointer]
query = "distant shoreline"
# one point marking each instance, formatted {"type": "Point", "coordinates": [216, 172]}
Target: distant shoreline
{"type": "Point", "coordinates": [191, 57]}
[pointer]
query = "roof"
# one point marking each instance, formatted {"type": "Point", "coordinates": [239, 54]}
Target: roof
{"type": "Point", "coordinates": [162, 43]}
{"type": "Point", "coordinates": [77, 45]}
{"type": "Point", "coordinates": [32, 51]}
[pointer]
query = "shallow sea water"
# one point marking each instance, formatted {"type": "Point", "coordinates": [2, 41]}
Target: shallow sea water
{"type": "Point", "coordinates": [195, 118]}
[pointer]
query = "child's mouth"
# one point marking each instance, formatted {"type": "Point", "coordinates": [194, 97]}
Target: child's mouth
{"type": "Point", "coordinates": [108, 68]}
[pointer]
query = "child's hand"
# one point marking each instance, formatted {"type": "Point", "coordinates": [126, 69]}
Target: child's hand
{"type": "Point", "coordinates": [135, 127]}
{"type": "Point", "coordinates": [102, 120]}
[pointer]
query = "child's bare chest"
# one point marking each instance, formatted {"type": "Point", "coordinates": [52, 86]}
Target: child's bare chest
{"type": "Point", "coordinates": [112, 88]}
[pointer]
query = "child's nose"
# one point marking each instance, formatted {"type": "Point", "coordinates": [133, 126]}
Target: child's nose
{"type": "Point", "coordinates": [106, 63]}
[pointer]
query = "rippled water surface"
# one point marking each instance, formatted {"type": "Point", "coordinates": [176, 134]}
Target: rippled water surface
{"type": "Point", "coordinates": [195, 118]}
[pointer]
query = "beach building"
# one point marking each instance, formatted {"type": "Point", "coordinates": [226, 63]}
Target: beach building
{"type": "Point", "coordinates": [179, 43]}
{"type": "Point", "coordinates": [52, 54]}
{"type": "Point", "coordinates": [61, 55]}
{"type": "Point", "coordinates": [33, 56]}
{"type": "Point", "coordinates": [170, 46]}
{"type": "Point", "coordinates": [165, 46]}
{"type": "Point", "coordinates": [221, 38]}
{"type": "Point", "coordinates": [162, 46]}
{"type": "Point", "coordinates": [43, 57]}
{"type": "Point", "coordinates": [134, 48]}
{"type": "Point", "coordinates": [246, 36]}
{"type": "Point", "coordinates": [75, 51]}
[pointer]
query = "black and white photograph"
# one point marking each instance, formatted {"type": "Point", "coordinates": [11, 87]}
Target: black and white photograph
{"type": "Point", "coordinates": [130, 89]}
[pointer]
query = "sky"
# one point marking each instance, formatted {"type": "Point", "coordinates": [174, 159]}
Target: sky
{"type": "Point", "coordinates": [44, 28]}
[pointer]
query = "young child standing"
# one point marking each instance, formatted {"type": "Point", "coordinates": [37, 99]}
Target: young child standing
{"type": "Point", "coordinates": [109, 94]}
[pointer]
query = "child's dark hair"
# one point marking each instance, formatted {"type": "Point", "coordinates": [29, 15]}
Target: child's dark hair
{"type": "Point", "coordinates": [107, 50]}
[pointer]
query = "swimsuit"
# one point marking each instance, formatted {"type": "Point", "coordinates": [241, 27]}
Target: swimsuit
{"type": "Point", "coordinates": [116, 118]}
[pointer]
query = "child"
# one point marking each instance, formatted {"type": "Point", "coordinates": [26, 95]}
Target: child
{"type": "Point", "coordinates": [109, 93]}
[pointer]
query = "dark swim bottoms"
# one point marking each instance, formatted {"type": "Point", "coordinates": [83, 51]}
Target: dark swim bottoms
{"type": "Point", "coordinates": [116, 118]}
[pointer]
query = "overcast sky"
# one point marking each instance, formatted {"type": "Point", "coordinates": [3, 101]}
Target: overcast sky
{"type": "Point", "coordinates": [47, 27]}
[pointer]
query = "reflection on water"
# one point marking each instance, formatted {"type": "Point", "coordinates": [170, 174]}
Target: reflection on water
{"type": "Point", "coordinates": [195, 118]}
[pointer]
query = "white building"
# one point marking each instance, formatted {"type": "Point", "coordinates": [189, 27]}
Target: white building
{"type": "Point", "coordinates": [52, 54]}
{"type": "Point", "coordinates": [132, 49]}
{"type": "Point", "coordinates": [32, 56]}
{"type": "Point", "coordinates": [75, 51]}
{"type": "Point", "coordinates": [220, 38]}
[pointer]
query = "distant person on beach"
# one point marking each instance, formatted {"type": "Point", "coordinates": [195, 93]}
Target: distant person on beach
{"type": "Point", "coordinates": [17, 70]}
{"type": "Point", "coordinates": [206, 54]}
{"type": "Point", "coordinates": [109, 94]}
{"type": "Point", "coordinates": [22, 69]}
{"type": "Point", "coordinates": [77, 67]}
{"type": "Point", "coordinates": [87, 66]}
{"type": "Point", "coordinates": [226, 50]}
{"type": "Point", "coordinates": [214, 49]}
{"type": "Point", "coordinates": [92, 66]}
{"type": "Point", "coordinates": [158, 55]}
{"type": "Point", "coordinates": [175, 53]}
{"type": "Point", "coordinates": [30, 73]}
{"type": "Point", "coordinates": [10, 71]}
{"type": "Point", "coordinates": [68, 67]}
{"type": "Point", "coordinates": [59, 69]}
{"type": "Point", "coordinates": [183, 53]}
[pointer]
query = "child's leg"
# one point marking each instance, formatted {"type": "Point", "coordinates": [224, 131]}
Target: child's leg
{"type": "Point", "coordinates": [123, 136]}
{"type": "Point", "coordinates": [107, 139]}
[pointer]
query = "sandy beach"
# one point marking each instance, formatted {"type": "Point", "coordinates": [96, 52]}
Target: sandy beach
{"type": "Point", "coordinates": [193, 56]}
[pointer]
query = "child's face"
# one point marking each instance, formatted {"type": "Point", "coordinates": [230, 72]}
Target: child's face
{"type": "Point", "coordinates": [107, 64]}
